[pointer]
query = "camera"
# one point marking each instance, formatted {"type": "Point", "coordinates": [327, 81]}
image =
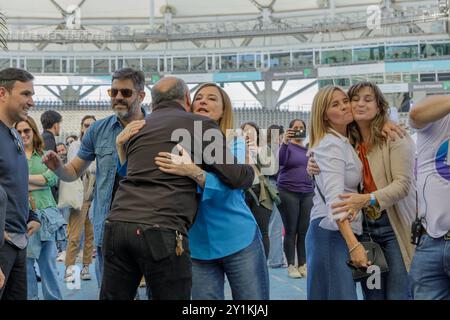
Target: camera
{"type": "Point", "coordinates": [416, 231]}
{"type": "Point", "coordinates": [299, 134]}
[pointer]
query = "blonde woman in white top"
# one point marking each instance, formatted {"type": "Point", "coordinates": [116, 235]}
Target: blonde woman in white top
{"type": "Point", "coordinates": [330, 242]}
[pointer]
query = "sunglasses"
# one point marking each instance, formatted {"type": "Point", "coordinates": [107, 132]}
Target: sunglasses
{"type": "Point", "coordinates": [25, 131]}
{"type": "Point", "coordinates": [17, 141]}
{"type": "Point", "coordinates": [126, 93]}
{"type": "Point", "coordinates": [86, 125]}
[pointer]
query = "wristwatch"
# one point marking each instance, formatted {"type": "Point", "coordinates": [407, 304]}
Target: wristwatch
{"type": "Point", "coordinates": [373, 200]}
{"type": "Point", "coordinates": [198, 176]}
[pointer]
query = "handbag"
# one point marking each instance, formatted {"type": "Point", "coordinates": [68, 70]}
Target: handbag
{"type": "Point", "coordinates": [374, 254]}
{"type": "Point", "coordinates": [71, 194]}
{"type": "Point", "coordinates": [273, 192]}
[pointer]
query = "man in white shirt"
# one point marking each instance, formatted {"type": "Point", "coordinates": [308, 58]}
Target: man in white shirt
{"type": "Point", "coordinates": [430, 272]}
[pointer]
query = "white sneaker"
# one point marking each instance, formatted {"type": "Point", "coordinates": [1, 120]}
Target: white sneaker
{"type": "Point", "coordinates": [293, 272]}
{"type": "Point", "coordinates": [302, 270]}
{"type": "Point", "coordinates": [68, 276]}
{"type": "Point", "coordinates": [61, 256]}
{"type": "Point", "coordinates": [85, 275]}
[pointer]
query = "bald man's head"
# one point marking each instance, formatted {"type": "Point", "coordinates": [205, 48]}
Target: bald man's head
{"type": "Point", "coordinates": [170, 89]}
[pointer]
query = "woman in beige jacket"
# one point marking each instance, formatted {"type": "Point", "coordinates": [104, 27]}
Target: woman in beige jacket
{"type": "Point", "coordinates": [388, 194]}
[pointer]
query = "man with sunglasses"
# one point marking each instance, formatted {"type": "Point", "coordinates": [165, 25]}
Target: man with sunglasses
{"type": "Point", "coordinates": [16, 98]}
{"type": "Point", "coordinates": [99, 143]}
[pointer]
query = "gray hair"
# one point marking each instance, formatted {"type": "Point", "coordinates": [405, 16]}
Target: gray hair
{"type": "Point", "coordinates": [174, 93]}
{"type": "Point", "coordinates": [136, 76]}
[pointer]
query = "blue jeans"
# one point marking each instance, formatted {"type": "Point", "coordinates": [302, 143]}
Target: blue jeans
{"type": "Point", "coordinates": [329, 277]}
{"type": "Point", "coordinates": [246, 272]}
{"type": "Point", "coordinates": [62, 244]}
{"type": "Point", "coordinates": [99, 266]}
{"type": "Point", "coordinates": [276, 257]}
{"type": "Point", "coordinates": [48, 271]}
{"type": "Point", "coordinates": [394, 283]}
{"type": "Point", "coordinates": [430, 269]}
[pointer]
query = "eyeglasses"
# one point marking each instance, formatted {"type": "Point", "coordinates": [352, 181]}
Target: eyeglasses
{"type": "Point", "coordinates": [126, 93]}
{"type": "Point", "coordinates": [25, 131]}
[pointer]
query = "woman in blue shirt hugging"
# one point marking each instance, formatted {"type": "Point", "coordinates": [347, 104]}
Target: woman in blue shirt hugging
{"type": "Point", "coordinates": [224, 239]}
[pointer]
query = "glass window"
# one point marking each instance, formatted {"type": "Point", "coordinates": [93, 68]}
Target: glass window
{"type": "Point", "coordinates": [428, 50]}
{"type": "Point", "coordinates": [444, 76]}
{"type": "Point", "coordinates": [18, 63]}
{"type": "Point", "coordinates": [101, 66]}
{"type": "Point", "coordinates": [280, 60]}
{"type": "Point", "coordinates": [247, 61]}
{"type": "Point", "coordinates": [150, 65]}
{"type": "Point", "coordinates": [317, 57]}
{"type": "Point", "coordinates": [228, 62]}
{"type": "Point", "coordinates": [356, 79]}
{"type": "Point", "coordinates": [33, 65]}
{"type": "Point", "coordinates": [376, 78]}
{"type": "Point", "coordinates": [266, 60]}
{"type": "Point", "coordinates": [336, 56]}
{"type": "Point", "coordinates": [134, 63]}
{"type": "Point", "coordinates": [65, 65]}
{"type": "Point", "coordinates": [342, 82]}
{"type": "Point", "coordinates": [402, 52]}
{"type": "Point", "coordinates": [302, 58]}
{"type": "Point", "coordinates": [427, 77]}
{"type": "Point", "coordinates": [181, 64]}
{"type": "Point", "coordinates": [394, 78]}
{"type": "Point", "coordinates": [325, 82]}
{"type": "Point", "coordinates": [52, 65]}
{"type": "Point", "coordinates": [368, 54]}
{"type": "Point", "coordinates": [4, 63]}
{"type": "Point", "coordinates": [83, 66]}
{"type": "Point", "coordinates": [198, 63]}
{"type": "Point", "coordinates": [410, 77]}
{"type": "Point", "coordinates": [161, 66]}
{"type": "Point", "coordinates": [169, 64]}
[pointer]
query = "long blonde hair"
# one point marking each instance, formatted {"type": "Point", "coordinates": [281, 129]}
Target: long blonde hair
{"type": "Point", "coordinates": [376, 125]}
{"type": "Point", "coordinates": [318, 126]}
{"type": "Point", "coordinates": [226, 121]}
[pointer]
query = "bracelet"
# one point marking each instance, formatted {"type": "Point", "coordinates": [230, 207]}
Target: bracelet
{"type": "Point", "coordinates": [354, 247]}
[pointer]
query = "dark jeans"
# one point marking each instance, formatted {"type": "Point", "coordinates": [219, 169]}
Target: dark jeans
{"type": "Point", "coordinates": [262, 217]}
{"type": "Point", "coordinates": [131, 250]}
{"type": "Point", "coordinates": [13, 262]}
{"type": "Point", "coordinates": [394, 283]}
{"type": "Point", "coordinates": [295, 211]}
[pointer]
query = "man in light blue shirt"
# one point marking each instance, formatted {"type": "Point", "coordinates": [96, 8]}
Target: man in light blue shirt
{"type": "Point", "coordinates": [99, 143]}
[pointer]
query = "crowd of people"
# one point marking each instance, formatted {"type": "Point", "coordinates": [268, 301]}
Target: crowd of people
{"type": "Point", "coordinates": [177, 196]}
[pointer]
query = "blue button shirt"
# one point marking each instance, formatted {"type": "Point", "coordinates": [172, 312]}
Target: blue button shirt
{"type": "Point", "coordinates": [224, 224]}
{"type": "Point", "coordinates": [99, 143]}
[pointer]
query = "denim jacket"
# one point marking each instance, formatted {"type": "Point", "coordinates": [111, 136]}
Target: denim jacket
{"type": "Point", "coordinates": [99, 143]}
{"type": "Point", "coordinates": [50, 230]}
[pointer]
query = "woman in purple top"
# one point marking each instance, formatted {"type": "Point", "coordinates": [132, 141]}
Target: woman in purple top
{"type": "Point", "coordinates": [296, 193]}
